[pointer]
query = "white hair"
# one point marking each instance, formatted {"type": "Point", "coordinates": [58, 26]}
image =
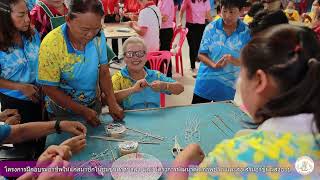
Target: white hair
{"type": "Point", "coordinates": [133, 40]}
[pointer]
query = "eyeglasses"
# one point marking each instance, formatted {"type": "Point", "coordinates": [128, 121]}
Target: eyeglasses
{"type": "Point", "coordinates": [139, 54]}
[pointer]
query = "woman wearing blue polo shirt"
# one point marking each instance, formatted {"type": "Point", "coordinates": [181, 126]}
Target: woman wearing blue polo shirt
{"type": "Point", "coordinates": [219, 52]}
{"type": "Point", "coordinates": [73, 61]}
{"type": "Point", "coordinates": [137, 87]}
{"type": "Point", "coordinates": [19, 47]}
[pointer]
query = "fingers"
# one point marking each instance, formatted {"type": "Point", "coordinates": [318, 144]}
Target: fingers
{"type": "Point", "coordinates": [82, 128]}
{"type": "Point", "coordinates": [143, 83]}
{"type": "Point", "coordinates": [94, 122]}
{"type": "Point", "coordinates": [56, 150]}
{"type": "Point", "coordinates": [10, 112]}
{"type": "Point", "coordinates": [76, 128]}
{"type": "Point", "coordinates": [76, 143]}
{"type": "Point", "coordinates": [117, 117]}
{"type": "Point", "coordinates": [13, 120]}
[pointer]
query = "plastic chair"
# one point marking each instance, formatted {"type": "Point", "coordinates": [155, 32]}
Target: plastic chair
{"type": "Point", "coordinates": [177, 51]}
{"type": "Point", "coordinates": [303, 6]}
{"type": "Point", "coordinates": [156, 59]}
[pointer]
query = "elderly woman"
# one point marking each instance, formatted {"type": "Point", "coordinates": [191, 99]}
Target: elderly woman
{"type": "Point", "coordinates": [277, 65]}
{"type": "Point", "coordinates": [137, 87]}
{"type": "Point", "coordinates": [73, 61]}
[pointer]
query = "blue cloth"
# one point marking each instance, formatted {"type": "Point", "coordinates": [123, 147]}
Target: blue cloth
{"type": "Point", "coordinates": [147, 98]}
{"type": "Point", "coordinates": [31, 4]}
{"type": "Point", "coordinates": [218, 84]}
{"type": "Point", "coordinates": [20, 65]}
{"type": "Point", "coordinates": [5, 131]}
{"type": "Point", "coordinates": [74, 72]}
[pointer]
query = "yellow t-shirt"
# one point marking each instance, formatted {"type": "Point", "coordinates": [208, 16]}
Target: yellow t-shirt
{"type": "Point", "coordinates": [247, 19]}
{"type": "Point", "coordinates": [259, 150]}
{"type": "Point", "coordinates": [293, 15]}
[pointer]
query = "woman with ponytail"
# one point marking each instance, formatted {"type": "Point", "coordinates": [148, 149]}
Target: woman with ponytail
{"type": "Point", "coordinates": [279, 85]}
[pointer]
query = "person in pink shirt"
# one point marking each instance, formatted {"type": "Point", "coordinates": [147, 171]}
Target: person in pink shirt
{"type": "Point", "coordinates": [197, 11]}
{"type": "Point", "coordinates": [166, 32]}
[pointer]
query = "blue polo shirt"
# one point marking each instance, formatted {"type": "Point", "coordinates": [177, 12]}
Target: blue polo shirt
{"type": "Point", "coordinates": [219, 84]}
{"type": "Point", "coordinates": [19, 64]}
{"type": "Point", "coordinates": [74, 72]}
{"type": "Point", "coordinates": [147, 98]}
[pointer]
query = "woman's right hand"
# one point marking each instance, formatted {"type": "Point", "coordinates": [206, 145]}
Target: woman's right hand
{"type": "Point", "coordinates": [76, 143]}
{"type": "Point", "coordinates": [140, 85]}
{"type": "Point", "coordinates": [73, 127]}
{"type": "Point", "coordinates": [91, 116]}
{"type": "Point", "coordinates": [8, 113]}
{"type": "Point", "coordinates": [192, 154]}
{"type": "Point", "coordinates": [31, 91]}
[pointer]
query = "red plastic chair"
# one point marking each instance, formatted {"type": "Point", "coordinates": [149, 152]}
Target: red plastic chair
{"type": "Point", "coordinates": [156, 59]}
{"type": "Point", "coordinates": [178, 55]}
{"type": "Point", "coordinates": [303, 6]}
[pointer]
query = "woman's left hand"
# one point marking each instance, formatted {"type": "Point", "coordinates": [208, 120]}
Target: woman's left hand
{"type": "Point", "coordinates": [158, 86]}
{"type": "Point", "coordinates": [13, 120]}
{"type": "Point", "coordinates": [116, 112]}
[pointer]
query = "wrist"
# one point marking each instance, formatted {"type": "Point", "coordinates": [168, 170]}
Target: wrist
{"type": "Point", "coordinates": [163, 86]}
{"type": "Point", "coordinates": [19, 86]}
{"type": "Point", "coordinates": [131, 90]}
{"type": "Point", "coordinates": [57, 126]}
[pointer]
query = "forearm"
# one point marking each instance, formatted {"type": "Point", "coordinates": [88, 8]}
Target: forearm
{"type": "Point", "coordinates": [106, 84]}
{"type": "Point", "coordinates": [7, 84]}
{"type": "Point", "coordinates": [140, 30]}
{"type": "Point", "coordinates": [179, 175]}
{"type": "Point", "coordinates": [206, 60]}
{"type": "Point", "coordinates": [63, 100]}
{"type": "Point", "coordinates": [175, 88]}
{"type": "Point", "coordinates": [32, 130]}
{"type": "Point", "coordinates": [122, 94]}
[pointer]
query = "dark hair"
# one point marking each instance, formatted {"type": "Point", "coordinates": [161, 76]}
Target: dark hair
{"type": "Point", "coordinates": [255, 8]}
{"type": "Point", "coordinates": [84, 6]}
{"type": "Point", "coordinates": [290, 54]}
{"type": "Point", "coordinates": [232, 4]}
{"type": "Point", "coordinates": [265, 19]}
{"type": "Point", "coordinates": [7, 28]}
{"type": "Point", "coordinates": [193, 1]}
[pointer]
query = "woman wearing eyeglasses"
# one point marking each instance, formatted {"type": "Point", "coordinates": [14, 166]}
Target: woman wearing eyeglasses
{"type": "Point", "coordinates": [73, 60]}
{"type": "Point", "coordinates": [137, 87]}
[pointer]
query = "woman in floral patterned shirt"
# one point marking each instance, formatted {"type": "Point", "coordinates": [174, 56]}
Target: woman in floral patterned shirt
{"type": "Point", "coordinates": [279, 83]}
{"type": "Point", "coordinates": [19, 48]}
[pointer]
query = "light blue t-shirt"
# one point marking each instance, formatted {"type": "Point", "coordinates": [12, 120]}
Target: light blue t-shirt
{"type": "Point", "coordinates": [31, 4]}
{"type": "Point", "coordinates": [74, 72]}
{"type": "Point", "coordinates": [5, 130]}
{"type": "Point", "coordinates": [218, 84]}
{"type": "Point", "coordinates": [19, 64]}
{"type": "Point", "coordinates": [147, 98]}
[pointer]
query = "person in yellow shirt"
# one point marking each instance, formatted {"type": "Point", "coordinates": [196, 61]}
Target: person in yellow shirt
{"type": "Point", "coordinates": [255, 8]}
{"type": "Point", "coordinates": [310, 17]}
{"type": "Point", "coordinates": [291, 13]}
